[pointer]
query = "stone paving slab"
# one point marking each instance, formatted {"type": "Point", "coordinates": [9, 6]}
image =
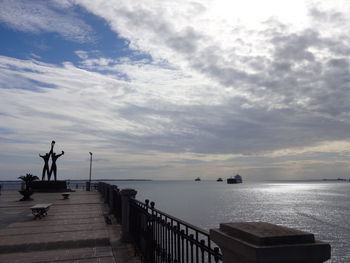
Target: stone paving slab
{"type": "Point", "coordinates": [95, 254]}
{"type": "Point", "coordinates": [11, 199]}
{"type": "Point", "coordinates": [73, 231]}
{"type": "Point", "coordinates": [97, 260]}
{"type": "Point", "coordinates": [42, 241]}
{"type": "Point", "coordinates": [52, 229]}
{"type": "Point", "coordinates": [34, 222]}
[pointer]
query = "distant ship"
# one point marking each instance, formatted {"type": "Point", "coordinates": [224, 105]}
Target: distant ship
{"type": "Point", "coordinates": [197, 179]}
{"type": "Point", "coordinates": [235, 180]}
{"type": "Point", "coordinates": [219, 179]}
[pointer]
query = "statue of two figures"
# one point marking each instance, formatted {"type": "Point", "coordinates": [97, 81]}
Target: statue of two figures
{"type": "Point", "coordinates": [46, 169]}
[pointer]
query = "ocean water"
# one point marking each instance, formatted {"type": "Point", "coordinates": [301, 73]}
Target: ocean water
{"type": "Point", "coordinates": [322, 208]}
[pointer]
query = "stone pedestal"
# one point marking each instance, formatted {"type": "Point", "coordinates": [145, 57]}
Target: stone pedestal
{"type": "Point", "coordinates": [126, 195]}
{"type": "Point", "coordinates": [49, 186]}
{"type": "Point", "coordinates": [259, 242]}
{"type": "Point", "coordinates": [88, 186]}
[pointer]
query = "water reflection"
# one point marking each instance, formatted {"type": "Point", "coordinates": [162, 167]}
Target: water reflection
{"type": "Point", "coordinates": [292, 187]}
{"type": "Point", "coordinates": [319, 207]}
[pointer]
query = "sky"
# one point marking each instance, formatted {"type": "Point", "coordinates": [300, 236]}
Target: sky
{"type": "Point", "coordinates": [172, 90]}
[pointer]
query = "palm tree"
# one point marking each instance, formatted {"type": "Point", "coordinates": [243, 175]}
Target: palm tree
{"type": "Point", "coordinates": [28, 179]}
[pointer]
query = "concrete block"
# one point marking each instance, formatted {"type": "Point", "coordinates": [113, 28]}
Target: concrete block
{"type": "Point", "coordinates": [260, 242]}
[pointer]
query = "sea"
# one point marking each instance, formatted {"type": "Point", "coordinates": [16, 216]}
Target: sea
{"type": "Point", "coordinates": [319, 207]}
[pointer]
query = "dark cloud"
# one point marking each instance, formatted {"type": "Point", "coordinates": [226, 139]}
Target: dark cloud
{"type": "Point", "coordinates": [185, 41]}
{"type": "Point", "coordinates": [329, 16]}
{"type": "Point", "coordinates": [227, 129]}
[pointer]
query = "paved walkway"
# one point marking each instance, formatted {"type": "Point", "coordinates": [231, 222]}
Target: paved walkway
{"type": "Point", "coordinates": [73, 231]}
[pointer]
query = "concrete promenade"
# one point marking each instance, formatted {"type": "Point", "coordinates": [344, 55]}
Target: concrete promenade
{"type": "Point", "coordinates": [74, 230]}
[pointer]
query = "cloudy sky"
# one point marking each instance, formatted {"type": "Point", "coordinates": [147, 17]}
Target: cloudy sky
{"type": "Point", "coordinates": [176, 89]}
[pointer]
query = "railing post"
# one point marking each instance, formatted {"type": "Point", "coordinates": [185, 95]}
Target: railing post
{"type": "Point", "coordinates": [106, 197]}
{"type": "Point", "coordinates": [112, 198]}
{"type": "Point", "coordinates": [259, 242]}
{"type": "Point", "coordinates": [126, 195]}
{"type": "Point", "coordinates": [117, 205]}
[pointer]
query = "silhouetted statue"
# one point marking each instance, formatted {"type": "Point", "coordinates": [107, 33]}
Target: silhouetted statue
{"type": "Point", "coordinates": [46, 168]}
{"type": "Point", "coordinates": [53, 165]}
{"type": "Point", "coordinates": [46, 159]}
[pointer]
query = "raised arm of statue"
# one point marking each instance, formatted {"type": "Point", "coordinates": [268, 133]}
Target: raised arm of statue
{"type": "Point", "coordinates": [58, 155]}
{"type": "Point", "coordinates": [52, 145]}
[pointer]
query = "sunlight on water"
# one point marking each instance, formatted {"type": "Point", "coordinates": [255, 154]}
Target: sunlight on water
{"type": "Point", "coordinates": [288, 188]}
{"type": "Point", "coordinates": [322, 208]}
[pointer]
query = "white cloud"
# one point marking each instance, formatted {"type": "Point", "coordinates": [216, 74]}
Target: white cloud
{"type": "Point", "coordinates": [217, 90]}
{"type": "Point", "coordinates": [156, 118]}
{"type": "Point", "coordinates": [278, 61]}
{"type": "Point", "coordinates": [45, 16]}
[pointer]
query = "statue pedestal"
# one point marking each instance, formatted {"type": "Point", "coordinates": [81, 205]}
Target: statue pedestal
{"type": "Point", "coordinates": [49, 186]}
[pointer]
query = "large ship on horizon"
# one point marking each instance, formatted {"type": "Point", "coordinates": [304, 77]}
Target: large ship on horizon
{"type": "Point", "coordinates": [235, 180]}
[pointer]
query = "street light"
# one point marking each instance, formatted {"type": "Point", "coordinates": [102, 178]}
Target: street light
{"type": "Point", "coordinates": [90, 170]}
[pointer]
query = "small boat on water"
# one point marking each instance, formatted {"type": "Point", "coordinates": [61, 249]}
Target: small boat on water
{"type": "Point", "coordinates": [219, 179]}
{"type": "Point", "coordinates": [235, 180]}
{"type": "Point", "coordinates": [197, 179]}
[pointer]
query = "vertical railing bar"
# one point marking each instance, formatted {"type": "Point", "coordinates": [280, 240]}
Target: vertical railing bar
{"type": "Point", "coordinates": [172, 241]}
{"type": "Point", "coordinates": [197, 247]}
{"type": "Point", "coordinates": [183, 245]}
{"type": "Point", "coordinates": [156, 237]}
{"type": "Point", "coordinates": [202, 242]}
{"type": "Point", "coordinates": [186, 244]}
{"type": "Point", "coordinates": [159, 237]}
{"type": "Point", "coordinates": [152, 231]}
{"type": "Point", "coordinates": [168, 239]}
{"type": "Point", "coordinates": [175, 244]}
{"type": "Point", "coordinates": [209, 253]}
{"type": "Point", "coordinates": [169, 242]}
{"type": "Point", "coordinates": [163, 240]}
{"type": "Point", "coordinates": [178, 243]}
{"type": "Point", "coordinates": [191, 244]}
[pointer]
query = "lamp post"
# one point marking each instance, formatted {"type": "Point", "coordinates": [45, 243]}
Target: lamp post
{"type": "Point", "coordinates": [90, 171]}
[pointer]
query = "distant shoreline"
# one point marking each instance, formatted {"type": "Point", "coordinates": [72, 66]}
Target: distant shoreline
{"type": "Point", "coordinates": [150, 180]}
{"type": "Point", "coordinates": [85, 180]}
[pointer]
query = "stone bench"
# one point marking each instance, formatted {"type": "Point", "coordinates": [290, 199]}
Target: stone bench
{"type": "Point", "coordinates": [65, 195]}
{"type": "Point", "coordinates": [40, 210]}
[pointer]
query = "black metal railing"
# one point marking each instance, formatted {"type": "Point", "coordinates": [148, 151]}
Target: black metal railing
{"type": "Point", "coordinates": [117, 204]}
{"type": "Point", "coordinates": [111, 195]}
{"type": "Point", "coordinates": [160, 237]}
{"type": "Point", "coordinates": [103, 188]}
